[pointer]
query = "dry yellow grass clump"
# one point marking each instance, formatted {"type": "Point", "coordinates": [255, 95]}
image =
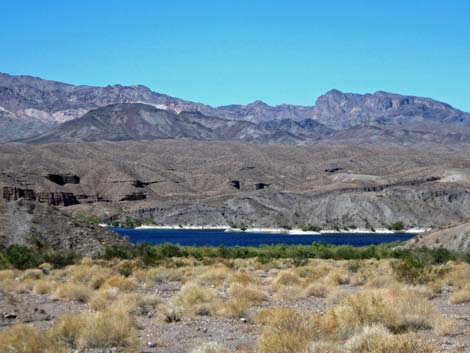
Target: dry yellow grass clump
{"type": "Point", "coordinates": [287, 330]}
{"type": "Point", "coordinates": [198, 300]}
{"type": "Point", "coordinates": [107, 329]}
{"type": "Point", "coordinates": [74, 292]}
{"type": "Point", "coordinates": [398, 309]}
{"type": "Point", "coordinates": [377, 339]}
{"type": "Point", "coordinates": [121, 283]}
{"type": "Point", "coordinates": [26, 339]}
{"type": "Point", "coordinates": [44, 286]}
{"type": "Point", "coordinates": [211, 347]}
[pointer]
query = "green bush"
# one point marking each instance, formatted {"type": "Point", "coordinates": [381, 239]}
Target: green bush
{"type": "Point", "coordinates": [60, 259]}
{"type": "Point", "coordinates": [396, 227]}
{"type": "Point", "coordinates": [22, 257]}
{"type": "Point", "coordinates": [88, 219]}
{"type": "Point", "coordinates": [311, 228]}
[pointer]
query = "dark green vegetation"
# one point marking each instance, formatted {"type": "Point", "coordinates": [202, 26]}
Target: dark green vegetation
{"type": "Point", "coordinates": [130, 223]}
{"type": "Point", "coordinates": [23, 257]}
{"type": "Point", "coordinates": [414, 266]}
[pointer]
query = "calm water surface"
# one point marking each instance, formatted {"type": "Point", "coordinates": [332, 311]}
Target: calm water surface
{"type": "Point", "coordinates": [217, 237]}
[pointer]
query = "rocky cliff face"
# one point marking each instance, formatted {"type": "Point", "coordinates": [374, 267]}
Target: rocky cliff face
{"type": "Point", "coordinates": [11, 193]}
{"type": "Point", "coordinates": [339, 110]}
{"type": "Point", "coordinates": [34, 224]}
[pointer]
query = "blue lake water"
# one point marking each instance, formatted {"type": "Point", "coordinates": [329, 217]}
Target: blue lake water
{"type": "Point", "coordinates": [217, 237]}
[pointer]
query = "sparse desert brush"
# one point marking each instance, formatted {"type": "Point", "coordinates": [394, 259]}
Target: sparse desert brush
{"type": "Point", "coordinates": [287, 292]}
{"type": "Point", "coordinates": [199, 299]}
{"type": "Point", "coordinates": [171, 312]}
{"type": "Point", "coordinates": [457, 276]}
{"type": "Point", "coordinates": [377, 339]}
{"type": "Point", "coordinates": [337, 277]}
{"type": "Point", "coordinates": [317, 289]}
{"type": "Point", "coordinates": [234, 308]}
{"type": "Point", "coordinates": [358, 279]}
{"type": "Point", "coordinates": [377, 280]}
{"type": "Point", "coordinates": [99, 276]}
{"type": "Point", "coordinates": [286, 278]}
{"type": "Point", "coordinates": [8, 274]}
{"type": "Point", "coordinates": [325, 347]}
{"type": "Point", "coordinates": [214, 275]}
{"type": "Point", "coordinates": [103, 298]}
{"type": "Point", "coordinates": [121, 283]}
{"type": "Point", "coordinates": [157, 275]}
{"type": "Point", "coordinates": [249, 293]}
{"type": "Point", "coordinates": [109, 329]}
{"type": "Point", "coordinates": [46, 267]}
{"type": "Point", "coordinates": [68, 328]}
{"type": "Point", "coordinates": [44, 286]}
{"type": "Point", "coordinates": [127, 267]}
{"type": "Point", "coordinates": [408, 271]}
{"type": "Point", "coordinates": [460, 296]}
{"type": "Point", "coordinates": [26, 339]}
{"type": "Point", "coordinates": [73, 291]}
{"type": "Point", "coordinates": [337, 295]}
{"type": "Point", "coordinates": [243, 277]}
{"type": "Point", "coordinates": [87, 261]}
{"type": "Point", "coordinates": [287, 330]}
{"type": "Point", "coordinates": [132, 302]}
{"type": "Point", "coordinates": [211, 347]}
{"type": "Point", "coordinates": [398, 309]}
{"type": "Point", "coordinates": [316, 270]}
{"type": "Point", "coordinates": [31, 274]}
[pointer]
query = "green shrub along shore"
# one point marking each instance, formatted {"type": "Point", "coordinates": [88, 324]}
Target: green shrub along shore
{"type": "Point", "coordinates": [22, 257]}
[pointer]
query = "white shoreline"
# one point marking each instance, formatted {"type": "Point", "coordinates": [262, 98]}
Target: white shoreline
{"type": "Point", "coordinates": [295, 231]}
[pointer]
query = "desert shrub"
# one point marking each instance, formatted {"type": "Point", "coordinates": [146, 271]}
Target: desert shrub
{"type": "Point", "coordinates": [88, 219]}
{"type": "Point", "coordinates": [26, 339]}
{"type": "Point", "coordinates": [121, 283]}
{"type": "Point", "coordinates": [74, 292]}
{"type": "Point", "coordinates": [249, 293]}
{"type": "Point", "coordinates": [171, 313]}
{"type": "Point", "coordinates": [286, 278]}
{"type": "Point", "coordinates": [287, 330]}
{"type": "Point", "coordinates": [377, 339]}
{"type": "Point", "coordinates": [211, 347]}
{"type": "Point", "coordinates": [316, 289]}
{"type": "Point", "coordinates": [311, 228]}
{"type": "Point", "coordinates": [214, 275]}
{"type": "Point", "coordinates": [44, 286]}
{"type": "Point", "coordinates": [103, 299]}
{"type": "Point", "coordinates": [110, 328]}
{"type": "Point", "coordinates": [68, 328]}
{"type": "Point", "coordinates": [398, 309]}
{"type": "Point", "coordinates": [200, 300]}
{"type": "Point", "coordinates": [396, 227]}
{"type": "Point", "coordinates": [412, 271]}
{"type": "Point", "coordinates": [22, 257]}
{"type": "Point", "coordinates": [60, 259]}
{"type": "Point", "coordinates": [460, 296]}
{"type": "Point", "coordinates": [235, 308]}
{"type": "Point", "coordinates": [119, 252]}
{"type": "Point", "coordinates": [31, 274]}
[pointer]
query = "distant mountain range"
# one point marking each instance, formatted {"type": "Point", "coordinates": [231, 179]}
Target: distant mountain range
{"type": "Point", "coordinates": [33, 110]}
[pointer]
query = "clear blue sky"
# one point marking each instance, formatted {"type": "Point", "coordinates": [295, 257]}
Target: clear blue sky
{"type": "Point", "coordinates": [221, 52]}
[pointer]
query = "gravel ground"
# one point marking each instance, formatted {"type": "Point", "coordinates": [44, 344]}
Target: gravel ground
{"type": "Point", "coordinates": [42, 311]}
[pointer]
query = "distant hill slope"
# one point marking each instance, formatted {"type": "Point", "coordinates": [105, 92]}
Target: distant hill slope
{"type": "Point", "coordinates": [453, 238]}
{"type": "Point", "coordinates": [136, 121]}
{"type": "Point", "coordinates": [34, 224]}
{"type": "Point", "coordinates": [30, 106]}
